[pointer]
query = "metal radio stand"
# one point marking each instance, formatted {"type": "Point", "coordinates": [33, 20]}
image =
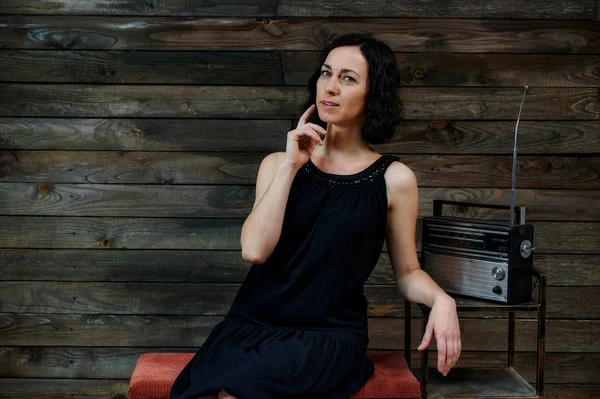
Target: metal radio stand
{"type": "Point", "coordinates": [487, 382]}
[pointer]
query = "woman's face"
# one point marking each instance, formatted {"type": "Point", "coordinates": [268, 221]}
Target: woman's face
{"type": "Point", "coordinates": [342, 86]}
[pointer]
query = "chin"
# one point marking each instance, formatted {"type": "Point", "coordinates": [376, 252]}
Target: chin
{"type": "Point", "coordinates": [325, 117]}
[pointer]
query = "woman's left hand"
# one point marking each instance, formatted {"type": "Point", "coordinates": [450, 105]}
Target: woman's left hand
{"type": "Point", "coordinates": [443, 322]}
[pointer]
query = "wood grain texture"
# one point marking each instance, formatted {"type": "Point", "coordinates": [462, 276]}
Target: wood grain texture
{"type": "Point", "coordinates": [139, 266]}
{"type": "Point", "coordinates": [250, 135]}
{"type": "Point", "coordinates": [465, 9]}
{"type": "Point", "coordinates": [231, 34]}
{"type": "Point", "coordinates": [120, 233]}
{"type": "Point", "coordinates": [148, 7]}
{"type": "Point", "coordinates": [477, 171]}
{"type": "Point", "coordinates": [127, 200]}
{"type": "Point", "coordinates": [216, 266]}
{"type": "Point", "coordinates": [47, 232]}
{"type": "Point", "coordinates": [235, 102]}
{"type": "Point", "coordinates": [493, 137]}
{"type": "Point", "coordinates": [571, 391]}
{"type": "Point", "coordinates": [432, 171]}
{"type": "Point", "coordinates": [284, 102]}
{"type": "Point", "coordinates": [121, 236]}
{"type": "Point", "coordinates": [167, 67]}
{"type": "Point", "coordinates": [470, 70]}
{"type": "Point", "coordinates": [118, 363]}
{"type": "Point", "coordinates": [19, 388]}
{"type": "Point", "coordinates": [485, 103]}
{"type": "Point", "coordinates": [192, 299]}
{"type": "Point", "coordinates": [584, 9]}
{"type": "Point", "coordinates": [111, 330]}
{"type": "Point", "coordinates": [236, 201]}
{"type": "Point", "coordinates": [263, 68]}
{"type": "Point", "coordinates": [129, 167]}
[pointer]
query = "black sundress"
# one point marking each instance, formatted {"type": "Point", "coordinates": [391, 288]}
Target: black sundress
{"type": "Point", "coordinates": [298, 325]}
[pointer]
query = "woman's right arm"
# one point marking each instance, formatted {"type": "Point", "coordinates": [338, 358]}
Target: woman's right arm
{"type": "Point", "coordinates": [262, 228]}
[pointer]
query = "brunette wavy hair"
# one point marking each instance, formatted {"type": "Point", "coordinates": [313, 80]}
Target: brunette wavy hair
{"type": "Point", "coordinates": [384, 110]}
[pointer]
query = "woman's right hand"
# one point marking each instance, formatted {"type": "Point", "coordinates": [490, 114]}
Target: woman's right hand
{"type": "Point", "coordinates": [302, 141]}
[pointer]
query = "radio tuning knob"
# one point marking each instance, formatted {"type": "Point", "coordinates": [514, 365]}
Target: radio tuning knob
{"type": "Point", "coordinates": [497, 290]}
{"type": "Point", "coordinates": [499, 274]}
{"type": "Point", "coordinates": [526, 248]}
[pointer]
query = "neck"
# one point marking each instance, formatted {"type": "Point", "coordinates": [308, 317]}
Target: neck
{"type": "Point", "coordinates": [343, 143]}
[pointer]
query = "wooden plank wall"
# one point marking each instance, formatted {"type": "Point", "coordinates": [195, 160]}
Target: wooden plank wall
{"type": "Point", "coordinates": [131, 133]}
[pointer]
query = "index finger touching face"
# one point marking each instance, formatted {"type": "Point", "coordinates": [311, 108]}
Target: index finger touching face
{"type": "Point", "coordinates": [304, 118]}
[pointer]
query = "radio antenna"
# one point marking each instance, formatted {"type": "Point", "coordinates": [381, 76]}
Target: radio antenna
{"type": "Point", "coordinates": [514, 164]}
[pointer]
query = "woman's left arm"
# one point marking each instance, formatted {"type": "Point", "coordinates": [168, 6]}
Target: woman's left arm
{"type": "Point", "coordinates": [414, 283]}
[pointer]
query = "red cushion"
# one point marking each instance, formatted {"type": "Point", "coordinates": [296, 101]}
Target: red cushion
{"type": "Point", "coordinates": [392, 379]}
{"type": "Point", "coordinates": [155, 373]}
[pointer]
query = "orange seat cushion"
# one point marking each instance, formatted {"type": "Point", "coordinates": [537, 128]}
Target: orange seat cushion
{"type": "Point", "coordinates": [155, 373]}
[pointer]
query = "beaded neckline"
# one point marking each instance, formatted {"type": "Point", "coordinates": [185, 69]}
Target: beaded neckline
{"type": "Point", "coordinates": [366, 175]}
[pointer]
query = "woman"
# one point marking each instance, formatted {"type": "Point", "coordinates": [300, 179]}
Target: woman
{"type": "Point", "coordinates": [323, 208]}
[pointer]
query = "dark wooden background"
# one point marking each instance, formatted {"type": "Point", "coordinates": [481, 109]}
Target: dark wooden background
{"type": "Point", "coordinates": [131, 133]}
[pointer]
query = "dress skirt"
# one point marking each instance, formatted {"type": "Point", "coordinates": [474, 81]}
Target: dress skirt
{"type": "Point", "coordinates": [253, 361]}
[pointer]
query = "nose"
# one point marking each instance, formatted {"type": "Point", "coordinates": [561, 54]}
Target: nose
{"type": "Point", "coordinates": [331, 87]}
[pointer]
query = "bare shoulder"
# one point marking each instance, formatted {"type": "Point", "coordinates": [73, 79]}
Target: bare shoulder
{"type": "Point", "coordinates": [400, 177]}
{"type": "Point", "coordinates": [272, 161]}
{"type": "Point", "coordinates": [401, 184]}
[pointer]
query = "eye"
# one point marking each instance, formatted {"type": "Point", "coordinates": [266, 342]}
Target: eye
{"type": "Point", "coordinates": [325, 73]}
{"type": "Point", "coordinates": [349, 79]}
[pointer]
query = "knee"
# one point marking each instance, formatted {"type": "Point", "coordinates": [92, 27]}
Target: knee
{"type": "Point", "coordinates": [226, 395]}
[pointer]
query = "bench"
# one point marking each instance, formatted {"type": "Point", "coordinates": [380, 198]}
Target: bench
{"type": "Point", "coordinates": [155, 373]}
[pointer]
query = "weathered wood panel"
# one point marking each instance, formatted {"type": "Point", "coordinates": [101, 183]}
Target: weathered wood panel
{"type": "Point", "coordinates": [53, 100]}
{"type": "Point", "coordinates": [583, 9]}
{"type": "Point", "coordinates": [19, 388]}
{"type": "Point", "coordinates": [129, 167]}
{"type": "Point", "coordinates": [132, 243]}
{"type": "Point", "coordinates": [122, 233]}
{"type": "Point", "coordinates": [216, 266]}
{"type": "Point", "coordinates": [118, 363]}
{"type": "Point", "coordinates": [495, 70]}
{"type": "Point", "coordinates": [73, 362]}
{"type": "Point", "coordinates": [191, 331]}
{"type": "Point", "coordinates": [263, 68]}
{"type": "Point", "coordinates": [145, 266]}
{"type": "Point", "coordinates": [571, 391]}
{"type": "Point", "coordinates": [283, 102]}
{"type": "Point", "coordinates": [167, 67]}
{"type": "Point", "coordinates": [185, 233]}
{"type": "Point", "coordinates": [479, 137]}
{"type": "Point", "coordinates": [127, 200]}
{"type": "Point", "coordinates": [483, 171]}
{"type": "Point", "coordinates": [465, 9]}
{"type": "Point", "coordinates": [250, 135]}
{"type": "Point", "coordinates": [215, 299]}
{"type": "Point", "coordinates": [402, 35]}
{"type": "Point", "coordinates": [152, 7]}
{"type": "Point", "coordinates": [236, 201]}
{"type": "Point", "coordinates": [447, 171]}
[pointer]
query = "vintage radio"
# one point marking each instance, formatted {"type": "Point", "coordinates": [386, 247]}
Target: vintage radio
{"type": "Point", "coordinates": [478, 258]}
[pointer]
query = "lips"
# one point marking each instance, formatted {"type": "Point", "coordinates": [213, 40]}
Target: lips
{"type": "Point", "coordinates": [329, 104]}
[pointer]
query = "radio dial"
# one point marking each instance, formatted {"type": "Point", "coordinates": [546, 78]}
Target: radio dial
{"type": "Point", "coordinates": [526, 249]}
{"type": "Point", "coordinates": [498, 273]}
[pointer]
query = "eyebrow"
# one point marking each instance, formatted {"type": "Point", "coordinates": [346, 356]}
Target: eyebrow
{"type": "Point", "coordinates": [341, 70]}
